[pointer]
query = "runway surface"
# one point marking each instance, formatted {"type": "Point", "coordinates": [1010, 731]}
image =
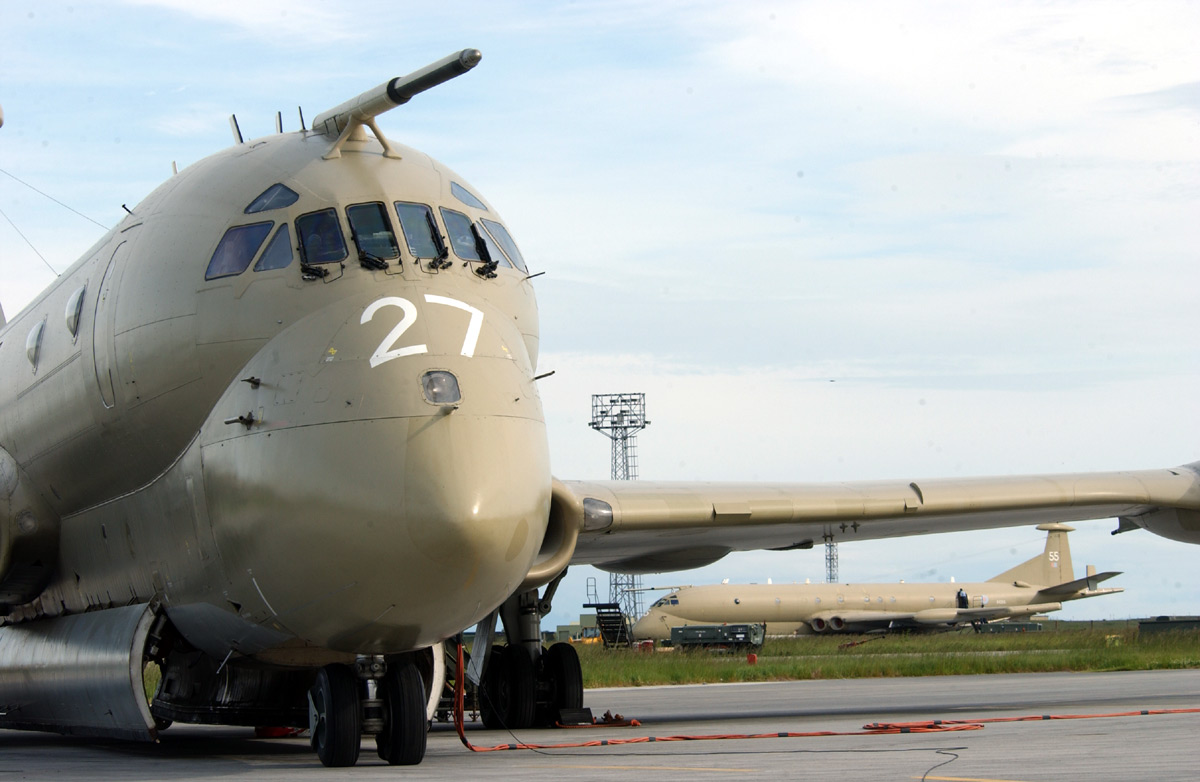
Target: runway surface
{"type": "Point", "coordinates": [1153, 746]}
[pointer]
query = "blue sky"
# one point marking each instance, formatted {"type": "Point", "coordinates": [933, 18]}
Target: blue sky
{"type": "Point", "coordinates": [830, 241]}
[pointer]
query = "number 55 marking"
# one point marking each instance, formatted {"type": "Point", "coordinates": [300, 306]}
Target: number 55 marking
{"type": "Point", "coordinates": [387, 350]}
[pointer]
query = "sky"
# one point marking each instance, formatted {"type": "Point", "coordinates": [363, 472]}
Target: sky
{"type": "Point", "coordinates": [828, 241]}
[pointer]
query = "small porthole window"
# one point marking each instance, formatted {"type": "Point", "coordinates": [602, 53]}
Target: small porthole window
{"type": "Point", "coordinates": [737, 601]}
{"type": "Point", "coordinates": [74, 308]}
{"type": "Point", "coordinates": [440, 387]}
{"type": "Point", "coordinates": [33, 343]}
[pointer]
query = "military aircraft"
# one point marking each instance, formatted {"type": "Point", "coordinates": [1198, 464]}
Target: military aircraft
{"type": "Point", "coordinates": [1037, 586]}
{"type": "Point", "coordinates": [279, 432]}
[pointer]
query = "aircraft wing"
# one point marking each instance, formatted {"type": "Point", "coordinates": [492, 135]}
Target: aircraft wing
{"type": "Point", "coordinates": [864, 621]}
{"type": "Point", "coordinates": [652, 527]}
{"type": "Point", "coordinates": [1004, 612]}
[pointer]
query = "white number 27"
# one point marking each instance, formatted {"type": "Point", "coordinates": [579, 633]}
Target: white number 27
{"type": "Point", "coordinates": [387, 350]}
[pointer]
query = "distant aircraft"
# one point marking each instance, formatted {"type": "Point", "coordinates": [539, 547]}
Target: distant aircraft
{"type": "Point", "coordinates": [1037, 586]}
{"type": "Point", "coordinates": [279, 432]}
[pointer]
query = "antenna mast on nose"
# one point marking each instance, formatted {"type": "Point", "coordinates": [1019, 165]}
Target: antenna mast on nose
{"type": "Point", "coordinates": [348, 119]}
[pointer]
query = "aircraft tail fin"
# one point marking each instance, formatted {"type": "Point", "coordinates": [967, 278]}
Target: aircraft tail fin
{"type": "Point", "coordinates": [1051, 567]}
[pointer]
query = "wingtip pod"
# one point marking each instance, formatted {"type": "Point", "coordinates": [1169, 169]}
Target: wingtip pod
{"type": "Point", "coordinates": [395, 92]}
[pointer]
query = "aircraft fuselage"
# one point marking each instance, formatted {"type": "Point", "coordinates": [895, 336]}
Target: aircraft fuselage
{"type": "Point", "coordinates": [257, 451]}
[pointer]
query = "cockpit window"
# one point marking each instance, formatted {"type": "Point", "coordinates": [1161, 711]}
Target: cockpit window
{"type": "Point", "coordinates": [669, 600]}
{"type": "Point", "coordinates": [420, 231]}
{"type": "Point", "coordinates": [466, 196]}
{"type": "Point", "coordinates": [236, 250]}
{"type": "Point", "coordinates": [321, 238]}
{"type": "Point", "coordinates": [278, 254]}
{"type": "Point", "coordinates": [372, 231]}
{"type": "Point", "coordinates": [493, 249]}
{"type": "Point", "coordinates": [462, 238]}
{"type": "Point", "coordinates": [505, 240]}
{"type": "Point", "coordinates": [276, 196]}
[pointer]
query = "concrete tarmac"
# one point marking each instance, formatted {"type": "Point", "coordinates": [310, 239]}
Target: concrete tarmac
{"type": "Point", "coordinates": [1161, 747]}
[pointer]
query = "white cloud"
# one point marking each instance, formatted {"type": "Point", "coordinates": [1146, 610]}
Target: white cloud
{"type": "Point", "coordinates": [277, 20]}
{"type": "Point", "coordinates": [990, 208]}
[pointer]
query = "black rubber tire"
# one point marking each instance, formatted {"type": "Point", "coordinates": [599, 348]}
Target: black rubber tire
{"type": "Point", "coordinates": [336, 731]}
{"type": "Point", "coordinates": [489, 697]}
{"type": "Point", "coordinates": [560, 664]}
{"type": "Point", "coordinates": [402, 740]}
{"type": "Point", "coordinates": [507, 697]}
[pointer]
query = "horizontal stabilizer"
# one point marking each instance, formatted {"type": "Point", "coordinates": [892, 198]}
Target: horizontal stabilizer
{"type": "Point", "coordinates": [1080, 584]}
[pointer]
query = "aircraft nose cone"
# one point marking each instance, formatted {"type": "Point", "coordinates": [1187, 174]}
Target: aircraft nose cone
{"type": "Point", "coordinates": [362, 513]}
{"type": "Point", "coordinates": [427, 529]}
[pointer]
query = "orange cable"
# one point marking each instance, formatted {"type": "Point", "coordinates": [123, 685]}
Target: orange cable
{"type": "Point", "coordinates": [871, 729]}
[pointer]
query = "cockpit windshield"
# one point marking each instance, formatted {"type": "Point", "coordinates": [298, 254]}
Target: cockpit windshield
{"type": "Point", "coordinates": [321, 237]}
{"type": "Point", "coordinates": [466, 196]}
{"type": "Point", "coordinates": [493, 249]}
{"type": "Point", "coordinates": [277, 196]}
{"type": "Point", "coordinates": [372, 231]}
{"type": "Point", "coordinates": [505, 240]}
{"type": "Point", "coordinates": [462, 238]}
{"type": "Point", "coordinates": [416, 222]}
{"type": "Point", "coordinates": [236, 249]}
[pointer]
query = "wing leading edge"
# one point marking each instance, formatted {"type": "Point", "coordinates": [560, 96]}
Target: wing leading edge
{"type": "Point", "coordinates": [652, 527]}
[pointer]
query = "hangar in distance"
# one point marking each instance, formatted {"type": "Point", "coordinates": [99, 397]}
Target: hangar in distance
{"type": "Point", "coordinates": [1037, 586]}
{"type": "Point", "coordinates": [279, 431]}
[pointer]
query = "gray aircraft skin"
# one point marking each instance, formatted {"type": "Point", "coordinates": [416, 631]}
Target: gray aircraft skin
{"type": "Point", "coordinates": [1037, 586]}
{"type": "Point", "coordinates": [279, 432]}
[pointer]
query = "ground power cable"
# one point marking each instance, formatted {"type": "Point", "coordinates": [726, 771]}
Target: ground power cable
{"type": "Point", "coordinates": [871, 729]}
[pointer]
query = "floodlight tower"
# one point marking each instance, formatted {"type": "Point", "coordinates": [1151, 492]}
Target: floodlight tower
{"type": "Point", "coordinates": [831, 560]}
{"type": "Point", "coordinates": [620, 417]}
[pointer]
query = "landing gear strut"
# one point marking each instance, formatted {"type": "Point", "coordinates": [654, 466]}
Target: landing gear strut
{"type": "Point", "coordinates": [524, 684]}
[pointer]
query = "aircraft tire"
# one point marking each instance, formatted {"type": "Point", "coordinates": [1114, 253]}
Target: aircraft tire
{"type": "Point", "coordinates": [333, 716]}
{"type": "Point", "coordinates": [508, 694]}
{"type": "Point", "coordinates": [402, 740]}
{"type": "Point", "coordinates": [561, 668]}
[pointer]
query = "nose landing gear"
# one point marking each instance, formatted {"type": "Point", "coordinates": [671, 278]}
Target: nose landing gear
{"type": "Point", "coordinates": [386, 699]}
{"type": "Point", "coordinates": [333, 716]}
